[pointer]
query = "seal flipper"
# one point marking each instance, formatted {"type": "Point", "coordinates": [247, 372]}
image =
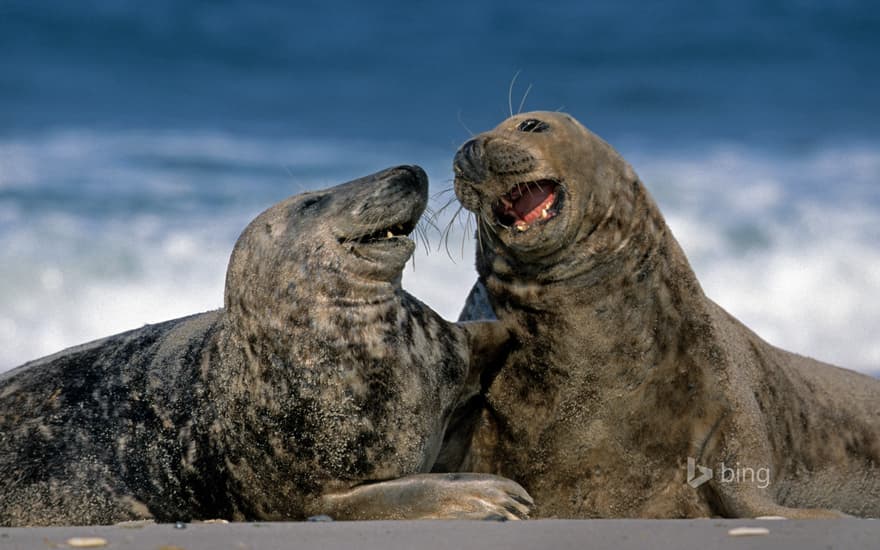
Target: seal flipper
{"type": "Point", "coordinates": [489, 342]}
{"type": "Point", "coordinates": [429, 496]}
{"type": "Point", "coordinates": [751, 503]}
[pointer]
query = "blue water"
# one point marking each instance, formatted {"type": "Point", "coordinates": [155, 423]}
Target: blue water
{"type": "Point", "coordinates": [783, 73]}
{"type": "Point", "coordinates": [137, 139]}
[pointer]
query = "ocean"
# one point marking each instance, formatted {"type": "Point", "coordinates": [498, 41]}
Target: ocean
{"type": "Point", "coordinates": [137, 139]}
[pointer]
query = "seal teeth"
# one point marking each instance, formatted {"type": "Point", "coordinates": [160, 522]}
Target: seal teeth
{"type": "Point", "coordinates": [390, 235]}
{"type": "Point", "coordinates": [521, 226]}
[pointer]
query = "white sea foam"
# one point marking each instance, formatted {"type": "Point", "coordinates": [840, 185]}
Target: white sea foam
{"type": "Point", "coordinates": [786, 244]}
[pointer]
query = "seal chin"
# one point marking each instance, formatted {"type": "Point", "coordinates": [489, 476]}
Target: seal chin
{"type": "Point", "coordinates": [529, 204]}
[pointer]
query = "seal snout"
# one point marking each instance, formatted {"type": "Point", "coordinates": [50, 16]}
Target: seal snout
{"type": "Point", "coordinates": [468, 163]}
{"type": "Point", "coordinates": [378, 214]}
{"type": "Point", "coordinates": [390, 207]}
{"type": "Point", "coordinates": [498, 173]}
{"type": "Point", "coordinates": [487, 157]}
{"type": "Point", "coordinates": [412, 175]}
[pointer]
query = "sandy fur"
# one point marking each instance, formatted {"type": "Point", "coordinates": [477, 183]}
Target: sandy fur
{"type": "Point", "coordinates": [623, 368]}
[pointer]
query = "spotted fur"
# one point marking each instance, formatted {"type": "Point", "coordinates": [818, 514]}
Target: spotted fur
{"type": "Point", "coordinates": [318, 382]}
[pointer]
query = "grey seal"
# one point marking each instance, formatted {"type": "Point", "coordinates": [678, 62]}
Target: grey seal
{"type": "Point", "coordinates": [320, 388]}
{"type": "Point", "coordinates": [628, 392]}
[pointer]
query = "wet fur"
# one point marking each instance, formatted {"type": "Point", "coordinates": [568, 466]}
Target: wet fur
{"type": "Point", "coordinates": [623, 368]}
{"type": "Point", "coordinates": [319, 381]}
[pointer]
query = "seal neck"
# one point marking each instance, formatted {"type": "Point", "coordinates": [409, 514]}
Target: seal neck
{"type": "Point", "coordinates": [619, 289]}
{"type": "Point", "coordinates": [618, 248]}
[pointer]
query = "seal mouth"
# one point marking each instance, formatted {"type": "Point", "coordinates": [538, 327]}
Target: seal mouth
{"type": "Point", "coordinates": [383, 235]}
{"type": "Point", "coordinates": [385, 250]}
{"type": "Point", "coordinates": [528, 204]}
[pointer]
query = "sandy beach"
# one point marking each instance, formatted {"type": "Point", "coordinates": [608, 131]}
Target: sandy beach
{"type": "Point", "coordinates": [428, 535]}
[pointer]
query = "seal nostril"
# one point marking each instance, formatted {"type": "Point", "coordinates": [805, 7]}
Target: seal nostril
{"type": "Point", "coordinates": [414, 170]}
{"type": "Point", "coordinates": [471, 150]}
{"type": "Point", "coordinates": [468, 160]}
{"type": "Point", "coordinates": [415, 174]}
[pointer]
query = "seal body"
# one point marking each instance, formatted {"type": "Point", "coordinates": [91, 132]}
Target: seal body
{"type": "Point", "coordinates": [321, 387]}
{"type": "Point", "coordinates": [624, 375]}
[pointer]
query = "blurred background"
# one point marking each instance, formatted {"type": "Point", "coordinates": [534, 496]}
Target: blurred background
{"type": "Point", "coordinates": [137, 139]}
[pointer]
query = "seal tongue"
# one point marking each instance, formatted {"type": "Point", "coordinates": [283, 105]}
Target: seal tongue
{"type": "Point", "coordinates": [527, 203]}
{"type": "Point", "coordinates": [532, 201]}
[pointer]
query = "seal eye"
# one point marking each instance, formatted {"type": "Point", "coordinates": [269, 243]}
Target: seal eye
{"type": "Point", "coordinates": [533, 125]}
{"type": "Point", "coordinates": [312, 203]}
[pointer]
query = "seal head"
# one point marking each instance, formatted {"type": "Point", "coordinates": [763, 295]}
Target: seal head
{"type": "Point", "coordinates": [542, 185]}
{"type": "Point", "coordinates": [359, 229]}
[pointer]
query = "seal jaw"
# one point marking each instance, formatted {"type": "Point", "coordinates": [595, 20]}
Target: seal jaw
{"type": "Point", "coordinates": [396, 231]}
{"type": "Point", "coordinates": [389, 245]}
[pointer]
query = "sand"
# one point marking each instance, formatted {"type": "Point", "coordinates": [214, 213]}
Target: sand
{"type": "Point", "coordinates": [428, 535]}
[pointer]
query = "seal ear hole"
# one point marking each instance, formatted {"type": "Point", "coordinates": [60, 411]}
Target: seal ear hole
{"type": "Point", "coordinates": [533, 125]}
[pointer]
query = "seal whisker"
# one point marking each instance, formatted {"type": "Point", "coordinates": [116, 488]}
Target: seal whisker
{"type": "Point", "coordinates": [430, 218]}
{"type": "Point", "coordinates": [463, 125]}
{"type": "Point", "coordinates": [523, 100]}
{"type": "Point", "coordinates": [482, 229]}
{"type": "Point", "coordinates": [467, 231]}
{"type": "Point", "coordinates": [447, 231]}
{"type": "Point", "coordinates": [442, 192]}
{"type": "Point", "coordinates": [413, 260]}
{"type": "Point", "coordinates": [489, 222]}
{"type": "Point", "coordinates": [510, 92]}
{"type": "Point", "coordinates": [452, 200]}
{"type": "Point", "coordinates": [375, 222]}
{"type": "Point", "coordinates": [421, 234]}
